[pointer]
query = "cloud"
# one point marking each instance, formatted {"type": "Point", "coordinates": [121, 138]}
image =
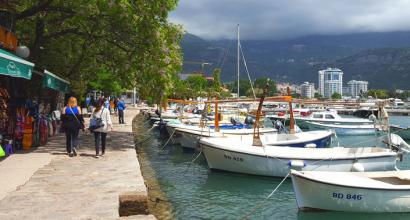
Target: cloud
{"type": "Point", "coordinates": [278, 19]}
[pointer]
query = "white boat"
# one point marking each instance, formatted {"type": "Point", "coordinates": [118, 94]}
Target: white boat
{"type": "Point", "coordinates": [387, 191]}
{"type": "Point", "coordinates": [403, 132]}
{"type": "Point", "coordinates": [234, 155]}
{"type": "Point", "coordinates": [189, 135]}
{"type": "Point", "coordinates": [343, 129]}
{"type": "Point", "coordinates": [324, 117]}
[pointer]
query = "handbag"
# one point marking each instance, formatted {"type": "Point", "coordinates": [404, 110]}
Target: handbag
{"type": "Point", "coordinates": [96, 123]}
{"type": "Point", "coordinates": [79, 122]}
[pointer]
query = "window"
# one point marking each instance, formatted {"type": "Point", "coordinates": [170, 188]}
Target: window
{"type": "Point", "coordinates": [329, 117]}
{"type": "Point", "coordinates": [317, 116]}
{"type": "Point", "coordinates": [335, 76]}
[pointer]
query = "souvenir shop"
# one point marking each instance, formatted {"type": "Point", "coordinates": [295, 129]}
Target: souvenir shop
{"type": "Point", "coordinates": [30, 99]}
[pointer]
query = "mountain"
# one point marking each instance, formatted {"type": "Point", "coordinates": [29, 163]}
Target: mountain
{"type": "Point", "coordinates": [298, 60]}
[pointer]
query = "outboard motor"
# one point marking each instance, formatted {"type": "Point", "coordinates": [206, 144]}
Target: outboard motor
{"type": "Point", "coordinates": [157, 112]}
{"type": "Point", "coordinates": [279, 126]}
{"type": "Point", "coordinates": [249, 120]}
{"type": "Point", "coordinates": [233, 121]}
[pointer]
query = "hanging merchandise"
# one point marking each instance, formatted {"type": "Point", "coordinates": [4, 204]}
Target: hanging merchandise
{"type": "Point", "coordinates": [43, 130]}
{"type": "Point", "coordinates": [28, 133]}
{"type": "Point", "coordinates": [2, 153]}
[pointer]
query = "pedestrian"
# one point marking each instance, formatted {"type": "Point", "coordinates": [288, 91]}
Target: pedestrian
{"type": "Point", "coordinates": [72, 122]}
{"type": "Point", "coordinates": [121, 107]}
{"type": "Point", "coordinates": [115, 105]}
{"type": "Point", "coordinates": [100, 134]}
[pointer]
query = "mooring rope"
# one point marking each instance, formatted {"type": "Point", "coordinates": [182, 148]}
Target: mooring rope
{"type": "Point", "coordinates": [261, 203]}
{"type": "Point", "coordinates": [192, 161]}
{"type": "Point", "coordinates": [163, 147]}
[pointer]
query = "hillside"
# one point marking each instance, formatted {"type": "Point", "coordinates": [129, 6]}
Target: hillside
{"type": "Point", "coordinates": [298, 60]}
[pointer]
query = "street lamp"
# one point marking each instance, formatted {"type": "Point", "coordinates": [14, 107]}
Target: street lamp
{"type": "Point", "coordinates": [203, 65]}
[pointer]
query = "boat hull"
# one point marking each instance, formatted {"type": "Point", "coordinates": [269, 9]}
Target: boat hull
{"type": "Point", "coordinates": [316, 195]}
{"type": "Point", "coordinates": [340, 130]}
{"type": "Point", "coordinates": [239, 162]}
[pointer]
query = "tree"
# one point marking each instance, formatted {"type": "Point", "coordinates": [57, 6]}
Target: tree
{"type": "Point", "coordinates": [130, 40]}
{"type": "Point", "coordinates": [336, 96]}
{"type": "Point", "coordinates": [378, 93]}
{"type": "Point", "coordinates": [244, 86]}
{"type": "Point", "coordinates": [261, 82]}
{"type": "Point", "coordinates": [318, 96]}
{"type": "Point", "coordinates": [217, 80]}
{"type": "Point", "coordinates": [197, 85]}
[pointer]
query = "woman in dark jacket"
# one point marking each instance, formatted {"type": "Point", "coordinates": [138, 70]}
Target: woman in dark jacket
{"type": "Point", "coordinates": [73, 121]}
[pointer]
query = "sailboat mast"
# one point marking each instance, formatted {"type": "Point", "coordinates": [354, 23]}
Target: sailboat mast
{"type": "Point", "coordinates": [238, 60]}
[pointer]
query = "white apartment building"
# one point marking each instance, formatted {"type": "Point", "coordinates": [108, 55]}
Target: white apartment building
{"type": "Point", "coordinates": [330, 81]}
{"type": "Point", "coordinates": [355, 87]}
{"type": "Point", "coordinates": [307, 90]}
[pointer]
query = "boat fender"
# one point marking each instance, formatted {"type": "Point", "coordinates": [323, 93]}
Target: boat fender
{"type": "Point", "coordinates": [296, 164]}
{"type": "Point", "coordinates": [357, 167]}
{"type": "Point", "coordinates": [311, 145]}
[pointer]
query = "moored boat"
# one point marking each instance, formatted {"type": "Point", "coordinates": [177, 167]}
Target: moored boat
{"type": "Point", "coordinates": [230, 154]}
{"type": "Point", "coordinates": [387, 191]}
{"type": "Point", "coordinates": [344, 129]}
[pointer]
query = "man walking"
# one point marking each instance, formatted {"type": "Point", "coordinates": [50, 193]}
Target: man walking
{"type": "Point", "coordinates": [121, 107]}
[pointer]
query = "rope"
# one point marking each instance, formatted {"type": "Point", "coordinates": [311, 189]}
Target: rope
{"type": "Point", "coordinates": [192, 162]}
{"type": "Point", "coordinates": [261, 203]}
{"type": "Point", "coordinates": [163, 147]}
{"type": "Point", "coordinates": [246, 68]}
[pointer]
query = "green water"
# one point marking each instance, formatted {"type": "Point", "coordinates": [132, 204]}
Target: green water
{"type": "Point", "coordinates": [195, 192]}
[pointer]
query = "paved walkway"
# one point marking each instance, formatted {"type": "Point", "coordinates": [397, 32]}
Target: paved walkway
{"type": "Point", "coordinates": [47, 184]}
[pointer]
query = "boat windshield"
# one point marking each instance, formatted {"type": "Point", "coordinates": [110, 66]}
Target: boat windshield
{"type": "Point", "coordinates": [329, 117]}
{"type": "Point", "coordinates": [317, 116]}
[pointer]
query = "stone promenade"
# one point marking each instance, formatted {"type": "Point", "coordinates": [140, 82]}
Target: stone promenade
{"type": "Point", "coordinates": [47, 184]}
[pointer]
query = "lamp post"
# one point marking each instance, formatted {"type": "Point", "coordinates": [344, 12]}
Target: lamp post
{"type": "Point", "coordinates": [203, 65]}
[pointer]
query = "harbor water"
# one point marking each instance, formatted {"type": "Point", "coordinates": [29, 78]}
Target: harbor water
{"type": "Point", "coordinates": [191, 191]}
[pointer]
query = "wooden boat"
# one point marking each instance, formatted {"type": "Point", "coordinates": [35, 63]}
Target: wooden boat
{"type": "Point", "coordinates": [234, 155]}
{"type": "Point", "coordinates": [387, 191]}
{"type": "Point", "coordinates": [189, 135]}
{"type": "Point", "coordinates": [344, 129]}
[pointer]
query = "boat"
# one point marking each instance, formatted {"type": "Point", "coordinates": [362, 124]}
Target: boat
{"type": "Point", "coordinates": [190, 138]}
{"type": "Point", "coordinates": [387, 191]}
{"type": "Point", "coordinates": [324, 117]}
{"type": "Point", "coordinates": [188, 135]}
{"type": "Point", "coordinates": [344, 129]}
{"type": "Point", "coordinates": [403, 132]}
{"type": "Point", "coordinates": [234, 155]}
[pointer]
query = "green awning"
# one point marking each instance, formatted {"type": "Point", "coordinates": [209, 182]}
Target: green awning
{"type": "Point", "coordinates": [12, 65]}
{"type": "Point", "coordinates": [54, 82]}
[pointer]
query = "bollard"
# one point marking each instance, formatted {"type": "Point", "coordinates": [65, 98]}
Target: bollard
{"type": "Point", "coordinates": [133, 203]}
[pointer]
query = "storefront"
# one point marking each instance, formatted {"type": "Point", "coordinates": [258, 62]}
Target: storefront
{"type": "Point", "coordinates": [29, 103]}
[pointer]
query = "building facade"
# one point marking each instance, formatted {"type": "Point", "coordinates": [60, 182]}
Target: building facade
{"type": "Point", "coordinates": [307, 90]}
{"type": "Point", "coordinates": [357, 87]}
{"type": "Point", "coordinates": [330, 81]}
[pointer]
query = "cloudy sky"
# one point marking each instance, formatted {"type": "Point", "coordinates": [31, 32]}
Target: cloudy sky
{"type": "Point", "coordinates": [278, 19]}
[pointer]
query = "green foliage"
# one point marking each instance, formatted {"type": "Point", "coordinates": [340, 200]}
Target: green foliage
{"type": "Point", "coordinates": [318, 95]}
{"type": "Point", "coordinates": [336, 96]}
{"type": "Point", "coordinates": [378, 93]}
{"type": "Point", "coordinates": [244, 86]}
{"type": "Point", "coordinates": [127, 41]}
{"type": "Point", "coordinates": [217, 80]}
{"type": "Point", "coordinates": [197, 85]}
{"type": "Point", "coordinates": [261, 83]}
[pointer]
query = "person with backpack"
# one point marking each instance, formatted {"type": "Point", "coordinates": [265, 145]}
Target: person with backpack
{"type": "Point", "coordinates": [72, 122]}
{"type": "Point", "coordinates": [100, 124]}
